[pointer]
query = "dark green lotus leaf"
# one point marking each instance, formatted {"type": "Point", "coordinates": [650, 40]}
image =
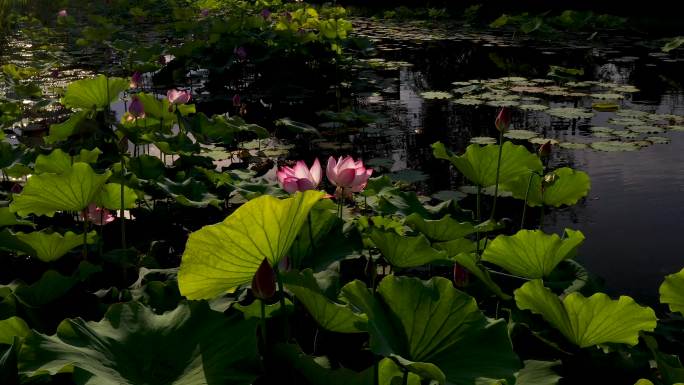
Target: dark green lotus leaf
{"type": "Point", "coordinates": [478, 164]}
{"type": "Point", "coordinates": [587, 321]}
{"type": "Point", "coordinates": [189, 345]}
{"type": "Point", "coordinates": [468, 259]}
{"type": "Point", "coordinates": [7, 218]}
{"type": "Point", "coordinates": [568, 187]}
{"type": "Point", "coordinates": [178, 144]}
{"type": "Point", "coordinates": [672, 291]}
{"type": "Point", "coordinates": [97, 92]}
{"type": "Point", "coordinates": [253, 310]}
{"type": "Point", "coordinates": [8, 154]}
{"type": "Point", "coordinates": [146, 167]}
{"type": "Point", "coordinates": [328, 314]}
{"type": "Point", "coordinates": [191, 193]}
{"type": "Point", "coordinates": [218, 258]}
{"type": "Point", "coordinates": [316, 374]}
{"type": "Point", "coordinates": [669, 365]}
{"type": "Point", "coordinates": [297, 127]}
{"type": "Point", "coordinates": [72, 190]}
{"type": "Point", "coordinates": [431, 322]}
{"type": "Point", "coordinates": [52, 285]}
{"type": "Point", "coordinates": [110, 197]}
{"type": "Point", "coordinates": [444, 229]}
{"type": "Point", "coordinates": [62, 131]}
{"type": "Point", "coordinates": [52, 246]}
{"type": "Point", "coordinates": [8, 363]}
{"type": "Point", "coordinates": [403, 251]}
{"type": "Point", "coordinates": [538, 373]}
{"type": "Point", "coordinates": [385, 198]}
{"type": "Point", "coordinates": [13, 327]}
{"type": "Point", "coordinates": [10, 242]}
{"type": "Point", "coordinates": [532, 253]}
{"type": "Point", "coordinates": [390, 373]}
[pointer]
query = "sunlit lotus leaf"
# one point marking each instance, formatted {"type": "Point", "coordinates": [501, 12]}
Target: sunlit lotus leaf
{"type": "Point", "coordinates": [433, 324]}
{"type": "Point", "coordinates": [570, 113]}
{"type": "Point", "coordinates": [479, 164]}
{"type": "Point", "coordinates": [482, 140]}
{"type": "Point", "coordinates": [389, 372]}
{"type": "Point", "coordinates": [444, 229]}
{"type": "Point", "coordinates": [110, 197]}
{"type": "Point", "coordinates": [72, 190]}
{"type": "Point", "coordinates": [672, 291]}
{"type": "Point", "coordinates": [57, 162]}
{"type": "Point", "coordinates": [431, 95]}
{"type": "Point", "coordinates": [403, 251]}
{"type": "Point", "coordinates": [520, 134]}
{"type": "Point", "coordinates": [646, 129]}
{"type": "Point", "coordinates": [588, 321]}
{"type": "Point", "coordinates": [52, 246]}
{"type": "Point", "coordinates": [97, 92]}
{"type": "Point", "coordinates": [220, 257]}
{"type": "Point", "coordinates": [532, 253]}
{"type": "Point", "coordinates": [191, 345]}
{"type": "Point", "coordinates": [614, 146]}
{"type": "Point", "coordinates": [533, 107]}
{"type": "Point", "coordinates": [567, 188]}
{"type": "Point", "coordinates": [657, 139]}
{"type": "Point", "coordinates": [327, 313]}
{"type": "Point", "coordinates": [13, 327]}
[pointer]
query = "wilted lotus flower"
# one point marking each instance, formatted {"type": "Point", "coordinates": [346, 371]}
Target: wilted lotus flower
{"type": "Point", "coordinates": [545, 149]}
{"type": "Point", "coordinates": [62, 13]}
{"type": "Point", "coordinates": [96, 215]}
{"type": "Point", "coordinates": [136, 108]}
{"type": "Point", "coordinates": [349, 176]}
{"type": "Point", "coordinates": [178, 96]}
{"type": "Point", "coordinates": [264, 281]}
{"type": "Point", "coordinates": [300, 178]}
{"type": "Point", "coordinates": [241, 53]}
{"type": "Point", "coordinates": [236, 100]}
{"type": "Point", "coordinates": [136, 80]}
{"type": "Point", "coordinates": [503, 119]}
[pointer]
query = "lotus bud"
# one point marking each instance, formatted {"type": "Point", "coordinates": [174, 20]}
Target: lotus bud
{"type": "Point", "coordinates": [265, 13]}
{"type": "Point", "coordinates": [545, 149]}
{"type": "Point", "coordinates": [264, 281]}
{"type": "Point", "coordinates": [62, 13]}
{"type": "Point", "coordinates": [136, 108]}
{"type": "Point", "coordinates": [204, 12]}
{"type": "Point", "coordinates": [461, 276]}
{"type": "Point", "coordinates": [178, 96]}
{"type": "Point", "coordinates": [136, 80]}
{"type": "Point", "coordinates": [503, 119]}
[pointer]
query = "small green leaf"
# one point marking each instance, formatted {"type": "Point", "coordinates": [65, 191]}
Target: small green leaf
{"type": "Point", "coordinates": [588, 321]}
{"type": "Point", "coordinates": [672, 291]}
{"type": "Point", "coordinates": [532, 253]}
{"type": "Point", "coordinates": [220, 257]}
{"type": "Point", "coordinates": [52, 246]}
{"type": "Point", "coordinates": [402, 251]}
{"type": "Point", "coordinates": [538, 373]}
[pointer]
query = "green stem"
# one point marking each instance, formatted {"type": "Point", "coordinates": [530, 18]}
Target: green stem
{"type": "Point", "coordinates": [281, 291]}
{"type": "Point", "coordinates": [121, 212]}
{"type": "Point", "coordinates": [404, 380]}
{"type": "Point", "coordinates": [85, 234]}
{"type": "Point", "coordinates": [498, 169]}
{"type": "Point", "coordinates": [527, 194]}
{"type": "Point", "coordinates": [311, 237]}
{"type": "Point", "coordinates": [479, 218]}
{"type": "Point", "coordinates": [263, 322]}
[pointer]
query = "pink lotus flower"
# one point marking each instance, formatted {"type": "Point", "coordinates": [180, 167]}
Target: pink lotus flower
{"type": "Point", "coordinates": [348, 175]}
{"type": "Point", "coordinates": [136, 108]}
{"type": "Point", "coordinates": [178, 96]}
{"type": "Point", "coordinates": [136, 80]}
{"type": "Point", "coordinates": [236, 100]}
{"type": "Point", "coordinates": [62, 13]}
{"type": "Point", "coordinates": [96, 215]}
{"type": "Point", "coordinates": [300, 178]}
{"type": "Point", "coordinates": [503, 119]}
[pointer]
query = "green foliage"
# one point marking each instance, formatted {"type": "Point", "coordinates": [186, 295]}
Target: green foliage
{"type": "Point", "coordinates": [96, 93]}
{"type": "Point", "coordinates": [563, 186]}
{"type": "Point", "coordinates": [52, 246]}
{"type": "Point", "coordinates": [672, 291]}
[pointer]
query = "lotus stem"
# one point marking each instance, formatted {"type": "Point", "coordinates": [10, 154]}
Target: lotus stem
{"type": "Point", "coordinates": [121, 211]}
{"type": "Point", "coordinates": [281, 292]}
{"type": "Point", "coordinates": [85, 234]}
{"type": "Point", "coordinates": [263, 322]}
{"type": "Point", "coordinates": [404, 380]}
{"type": "Point", "coordinates": [498, 169]}
{"type": "Point", "coordinates": [527, 194]}
{"type": "Point", "coordinates": [477, 211]}
{"type": "Point", "coordinates": [311, 237]}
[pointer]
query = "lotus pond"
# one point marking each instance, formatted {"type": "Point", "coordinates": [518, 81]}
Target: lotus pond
{"type": "Point", "coordinates": [267, 192]}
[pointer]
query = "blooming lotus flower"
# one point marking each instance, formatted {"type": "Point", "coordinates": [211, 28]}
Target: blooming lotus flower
{"type": "Point", "coordinates": [62, 13]}
{"type": "Point", "coordinates": [264, 281]}
{"type": "Point", "coordinates": [300, 177]}
{"type": "Point", "coordinates": [136, 80]}
{"type": "Point", "coordinates": [96, 215]}
{"type": "Point", "coordinates": [178, 96]}
{"type": "Point", "coordinates": [348, 175]}
{"type": "Point", "coordinates": [136, 108]}
{"type": "Point", "coordinates": [503, 119]}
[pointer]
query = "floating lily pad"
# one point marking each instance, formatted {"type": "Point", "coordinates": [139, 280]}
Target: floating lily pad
{"type": "Point", "coordinates": [646, 129]}
{"type": "Point", "coordinates": [533, 107]}
{"type": "Point", "coordinates": [543, 141]}
{"type": "Point", "coordinates": [432, 95]}
{"type": "Point", "coordinates": [632, 113]}
{"type": "Point", "coordinates": [641, 143]}
{"type": "Point", "coordinates": [607, 96]}
{"type": "Point", "coordinates": [606, 130]}
{"type": "Point", "coordinates": [626, 89]}
{"type": "Point", "coordinates": [502, 103]}
{"type": "Point", "coordinates": [483, 140]}
{"type": "Point", "coordinates": [409, 176]}
{"type": "Point", "coordinates": [602, 134]}
{"type": "Point", "coordinates": [446, 195]}
{"type": "Point", "coordinates": [614, 146]}
{"type": "Point", "coordinates": [574, 146]}
{"type": "Point", "coordinates": [625, 134]}
{"type": "Point", "coordinates": [570, 113]}
{"type": "Point", "coordinates": [468, 101]}
{"type": "Point", "coordinates": [605, 107]}
{"type": "Point", "coordinates": [520, 134]}
{"type": "Point", "coordinates": [626, 121]}
{"type": "Point", "coordinates": [676, 128]}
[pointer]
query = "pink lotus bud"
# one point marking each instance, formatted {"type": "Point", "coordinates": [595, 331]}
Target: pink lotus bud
{"type": "Point", "coordinates": [178, 96]}
{"type": "Point", "coordinates": [96, 215]}
{"type": "Point", "coordinates": [62, 13]}
{"type": "Point", "coordinates": [503, 119]}
{"type": "Point", "coordinates": [264, 281]}
{"type": "Point", "coordinates": [136, 108]}
{"type": "Point", "coordinates": [545, 149]}
{"type": "Point", "coordinates": [236, 100]}
{"type": "Point", "coordinates": [461, 276]}
{"type": "Point", "coordinates": [300, 178]}
{"type": "Point", "coordinates": [348, 175]}
{"type": "Point", "coordinates": [136, 80]}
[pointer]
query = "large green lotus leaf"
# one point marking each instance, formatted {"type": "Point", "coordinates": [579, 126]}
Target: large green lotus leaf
{"type": "Point", "coordinates": [672, 291]}
{"type": "Point", "coordinates": [220, 257]}
{"type": "Point", "coordinates": [568, 187]}
{"type": "Point", "coordinates": [64, 130]}
{"type": "Point", "coordinates": [587, 321]}
{"type": "Point", "coordinates": [469, 261]}
{"type": "Point", "coordinates": [316, 374]}
{"type": "Point", "coordinates": [48, 193]}
{"type": "Point", "coordinates": [432, 323]}
{"type": "Point", "coordinates": [190, 192]}
{"type": "Point", "coordinates": [8, 363]}
{"type": "Point", "coordinates": [13, 327]}
{"type": "Point", "coordinates": [7, 218]}
{"type": "Point", "coordinates": [445, 229]}
{"type": "Point", "coordinates": [97, 92]}
{"type": "Point", "coordinates": [403, 251]}
{"type": "Point", "coordinates": [478, 164]}
{"type": "Point", "coordinates": [329, 315]}
{"type": "Point", "coordinates": [532, 253]}
{"type": "Point", "coordinates": [392, 374]}
{"type": "Point", "coordinates": [110, 197]}
{"type": "Point", "coordinates": [52, 246]}
{"type": "Point", "coordinates": [146, 167]}
{"type": "Point", "coordinates": [56, 162]}
{"type": "Point", "coordinates": [669, 365]}
{"type": "Point", "coordinates": [191, 345]}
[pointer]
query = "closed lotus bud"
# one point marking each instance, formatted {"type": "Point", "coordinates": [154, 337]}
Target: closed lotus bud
{"type": "Point", "coordinates": [503, 119]}
{"type": "Point", "coordinates": [264, 281]}
{"type": "Point", "coordinates": [461, 276]}
{"type": "Point", "coordinates": [545, 150]}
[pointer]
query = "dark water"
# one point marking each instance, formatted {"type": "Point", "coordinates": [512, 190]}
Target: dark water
{"type": "Point", "coordinates": [633, 217]}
